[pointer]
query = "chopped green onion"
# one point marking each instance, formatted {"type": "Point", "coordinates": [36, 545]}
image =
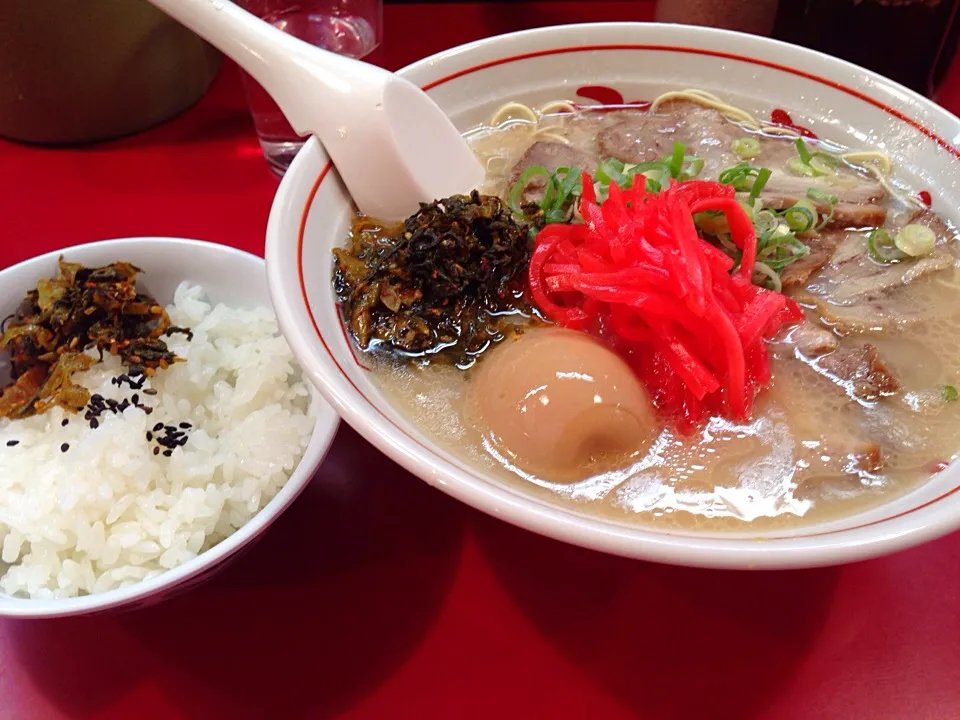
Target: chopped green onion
{"type": "Point", "coordinates": [949, 393]}
{"type": "Point", "coordinates": [514, 196]}
{"type": "Point", "coordinates": [655, 172]}
{"type": "Point", "coordinates": [828, 160]}
{"type": "Point", "coordinates": [818, 196]}
{"type": "Point", "coordinates": [781, 231]}
{"type": "Point", "coordinates": [915, 240]}
{"type": "Point", "coordinates": [820, 167]}
{"type": "Point", "coordinates": [745, 177]}
{"type": "Point", "coordinates": [768, 276]}
{"type": "Point", "coordinates": [571, 181]}
{"type": "Point", "coordinates": [882, 248]}
{"type": "Point", "coordinates": [556, 205]}
{"type": "Point", "coordinates": [800, 217]}
{"type": "Point", "coordinates": [821, 198]}
{"type": "Point", "coordinates": [812, 163]}
{"type": "Point", "coordinates": [660, 166]}
{"type": "Point", "coordinates": [652, 184]}
{"type": "Point", "coordinates": [674, 161]}
{"type": "Point", "coordinates": [780, 248]}
{"type": "Point", "coordinates": [737, 175]}
{"type": "Point", "coordinates": [558, 192]}
{"type": "Point", "coordinates": [763, 174]}
{"type": "Point", "coordinates": [765, 222]}
{"type": "Point", "coordinates": [798, 167]}
{"type": "Point", "coordinates": [692, 168]}
{"type": "Point", "coordinates": [610, 170]}
{"type": "Point", "coordinates": [746, 147]}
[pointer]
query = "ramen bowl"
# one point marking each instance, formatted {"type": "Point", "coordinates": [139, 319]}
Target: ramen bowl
{"type": "Point", "coordinates": [619, 63]}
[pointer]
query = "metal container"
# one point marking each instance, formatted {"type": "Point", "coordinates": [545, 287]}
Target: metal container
{"type": "Point", "coordinates": [80, 71]}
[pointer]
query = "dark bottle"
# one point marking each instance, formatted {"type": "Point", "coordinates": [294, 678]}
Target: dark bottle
{"type": "Point", "coordinates": [910, 41]}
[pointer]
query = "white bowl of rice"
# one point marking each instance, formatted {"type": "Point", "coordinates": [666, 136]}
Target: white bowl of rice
{"type": "Point", "coordinates": [95, 514]}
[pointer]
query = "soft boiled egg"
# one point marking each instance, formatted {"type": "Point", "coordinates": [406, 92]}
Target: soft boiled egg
{"type": "Point", "coordinates": [560, 405]}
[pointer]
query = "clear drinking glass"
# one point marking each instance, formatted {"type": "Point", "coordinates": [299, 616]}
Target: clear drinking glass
{"type": "Point", "coordinates": [347, 27]}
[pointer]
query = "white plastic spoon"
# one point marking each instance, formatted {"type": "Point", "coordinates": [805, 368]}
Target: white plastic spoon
{"type": "Point", "coordinates": [392, 145]}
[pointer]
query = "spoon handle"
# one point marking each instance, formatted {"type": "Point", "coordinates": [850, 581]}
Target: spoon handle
{"type": "Point", "coordinates": [281, 63]}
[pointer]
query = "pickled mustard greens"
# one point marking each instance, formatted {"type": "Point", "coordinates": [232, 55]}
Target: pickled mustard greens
{"type": "Point", "coordinates": [444, 281]}
{"type": "Point", "coordinates": [77, 310]}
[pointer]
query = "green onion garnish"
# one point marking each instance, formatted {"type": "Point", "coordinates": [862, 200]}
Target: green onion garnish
{"type": "Point", "coordinates": [821, 198]}
{"type": "Point", "coordinates": [674, 161]}
{"type": "Point", "coordinates": [746, 147]}
{"type": "Point", "coordinates": [798, 167]}
{"type": "Point", "coordinates": [556, 205]}
{"type": "Point", "coordinates": [745, 177]}
{"type": "Point", "coordinates": [828, 160]}
{"type": "Point", "coordinates": [693, 166]}
{"type": "Point", "coordinates": [915, 240]}
{"type": "Point", "coordinates": [610, 170]}
{"type": "Point", "coordinates": [800, 217]}
{"type": "Point", "coordinates": [763, 174]}
{"type": "Point", "coordinates": [818, 196]}
{"type": "Point", "coordinates": [882, 248]}
{"type": "Point", "coordinates": [765, 222]}
{"type": "Point", "coordinates": [812, 163]}
{"type": "Point", "coordinates": [949, 393]}
{"type": "Point", "coordinates": [514, 196]}
{"type": "Point", "coordinates": [820, 167]}
{"type": "Point", "coordinates": [735, 174]}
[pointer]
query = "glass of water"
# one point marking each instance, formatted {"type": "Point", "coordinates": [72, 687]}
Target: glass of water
{"type": "Point", "coordinates": [347, 27]}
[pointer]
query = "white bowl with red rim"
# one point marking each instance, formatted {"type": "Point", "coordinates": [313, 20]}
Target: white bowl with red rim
{"type": "Point", "coordinates": [615, 62]}
{"type": "Point", "coordinates": [229, 276]}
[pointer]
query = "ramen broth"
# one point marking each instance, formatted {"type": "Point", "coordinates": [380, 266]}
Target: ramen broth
{"type": "Point", "coordinates": [812, 450]}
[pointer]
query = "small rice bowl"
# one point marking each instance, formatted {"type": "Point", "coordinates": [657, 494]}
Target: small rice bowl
{"type": "Point", "coordinates": [85, 510]}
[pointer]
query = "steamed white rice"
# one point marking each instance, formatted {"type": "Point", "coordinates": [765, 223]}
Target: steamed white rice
{"type": "Point", "coordinates": [108, 512]}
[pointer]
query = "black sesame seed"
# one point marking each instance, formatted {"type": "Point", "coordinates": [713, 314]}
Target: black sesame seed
{"type": "Point", "coordinates": [167, 453]}
{"type": "Point", "coordinates": [183, 441]}
{"type": "Point", "coordinates": [65, 422]}
{"type": "Point", "coordinates": [64, 447]}
{"type": "Point", "coordinates": [149, 391]}
{"type": "Point", "coordinates": [158, 427]}
{"type": "Point", "coordinates": [156, 451]}
{"type": "Point", "coordinates": [135, 399]}
{"type": "Point", "coordinates": [186, 425]}
{"type": "Point", "coordinates": [12, 443]}
{"type": "Point", "coordinates": [149, 436]}
{"type": "Point", "coordinates": [170, 428]}
{"type": "Point", "coordinates": [94, 424]}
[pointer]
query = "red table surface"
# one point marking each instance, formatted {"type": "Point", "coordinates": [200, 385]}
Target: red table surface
{"type": "Point", "coordinates": [375, 596]}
